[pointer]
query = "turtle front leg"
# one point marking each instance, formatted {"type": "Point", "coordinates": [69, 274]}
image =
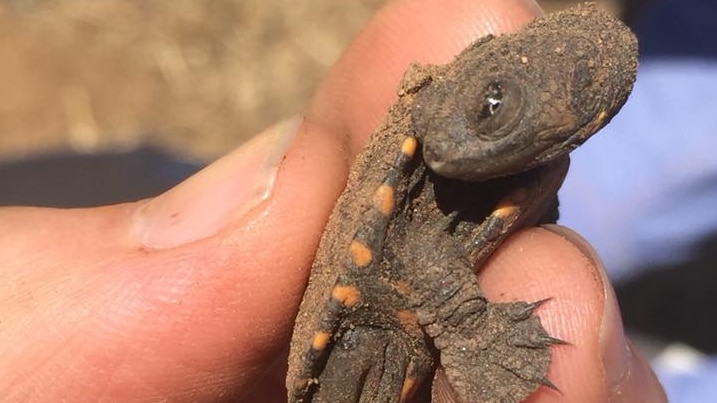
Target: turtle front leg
{"type": "Point", "coordinates": [489, 352]}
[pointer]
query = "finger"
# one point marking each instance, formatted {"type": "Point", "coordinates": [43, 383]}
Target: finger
{"type": "Point", "coordinates": [598, 364]}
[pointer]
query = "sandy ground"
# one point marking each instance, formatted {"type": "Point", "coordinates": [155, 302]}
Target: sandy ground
{"type": "Point", "coordinates": [190, 76]}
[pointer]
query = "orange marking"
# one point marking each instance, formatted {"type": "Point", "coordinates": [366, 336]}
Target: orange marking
{"type": "Point", "coordinates": [321, 340]}
{"type": "Point", "coordinates": [360, 253]}
{"type": "Point", "coordinates": [505, 210]}
{"type": "Point", "coordinates": [302, 383]}
{"type": "Point", "coordinates": [347, 295]}
{"type": "Point", "coordinates": [383, 199]}
{"type": "Point", "coordinates": [407, 389]}
{"type": "Point", "coordinates": [402, 287]}
{"type": "Point", "coordinates": [510, 204]}
{"type": "Point", "coordinates": [596, 123]}
{"type": "Point", "coordinates": [599, 120]}
{"type": "Point", "coordinates": [407, 318]}
{"type": "Point", "coordinates": [408, 147]}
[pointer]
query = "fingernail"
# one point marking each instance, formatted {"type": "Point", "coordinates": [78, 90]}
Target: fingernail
{"type": "Point", "coordinates": [220, 193]}
{"type": "Point", "coordinates": [615, 350]}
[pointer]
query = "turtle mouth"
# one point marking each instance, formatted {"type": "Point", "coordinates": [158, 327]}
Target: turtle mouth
{"type": "Point", "coordinates": [434, 156]}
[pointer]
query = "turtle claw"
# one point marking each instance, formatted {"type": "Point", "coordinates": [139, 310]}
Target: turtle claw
{"type": "Point", "coordinates": [554, 340]}
{"type": "Point", "coordinates": [526, 310]}
{"type": "Point", "coordinates": [548, 384]}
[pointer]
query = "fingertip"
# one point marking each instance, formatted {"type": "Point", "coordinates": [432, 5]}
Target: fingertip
{"type": "Point", "coordinates": [536, 264]}
{"type": "Point", "coordinates": [598, 363]}
{"type": "Point", "coordinates": [627, 376]}
{"type": "Point", "coordinates": [639, 382]}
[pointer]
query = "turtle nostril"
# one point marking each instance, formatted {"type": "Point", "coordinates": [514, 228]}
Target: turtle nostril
{"type": "Point", "coordinates": [431, 154]}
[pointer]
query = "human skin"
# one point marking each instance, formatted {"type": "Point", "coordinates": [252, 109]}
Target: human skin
{"type": "Point", "coordinates": [191, 296]}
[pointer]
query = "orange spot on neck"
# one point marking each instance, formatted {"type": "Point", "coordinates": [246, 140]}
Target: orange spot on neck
{"type": "Point", "coordinates": [347, 295]}
{"type": "Point", "coordinates": [360, 253]}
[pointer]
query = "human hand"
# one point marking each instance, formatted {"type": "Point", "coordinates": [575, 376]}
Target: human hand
{"type": "Point", "coordinates": [191, 296]}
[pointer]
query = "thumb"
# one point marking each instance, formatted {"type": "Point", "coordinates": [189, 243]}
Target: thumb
{"type": "Point", "coordinates": [187, 296]}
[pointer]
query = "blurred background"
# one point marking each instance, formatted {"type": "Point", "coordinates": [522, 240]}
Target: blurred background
{"type": "Point", "coordinates": [116, 100]}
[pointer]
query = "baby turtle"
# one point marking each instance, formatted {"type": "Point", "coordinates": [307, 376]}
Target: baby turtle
{"type": "Point", "coordinates": [471, 152]}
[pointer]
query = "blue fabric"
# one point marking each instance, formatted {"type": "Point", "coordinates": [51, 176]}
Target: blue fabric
{"type": "Point", "coordinates": [693, 384]}
{"type": "Point", "coordinates": [645, 188]}
{"type": "Point", "coordinates": [678, 29]}
{"type": "Point", "coordinates": [644, 191]}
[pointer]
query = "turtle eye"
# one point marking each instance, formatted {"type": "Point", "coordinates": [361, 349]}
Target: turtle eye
{"type": "Point", "coordinates": [492, 100]}
{"type": "Point", "coordinates": [498, 110]}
